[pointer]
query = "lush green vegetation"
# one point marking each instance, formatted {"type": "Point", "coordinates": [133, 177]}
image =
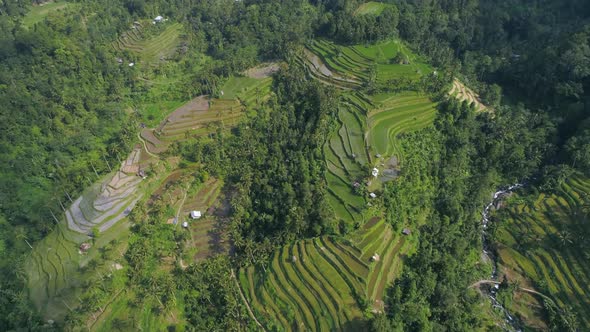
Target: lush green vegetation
{"type": "Point", "coordinates": [39, 11]}
{"type": "Point", "coordinates": [283, 165]}
{"type": "Point", "coordinates": [542, 243]}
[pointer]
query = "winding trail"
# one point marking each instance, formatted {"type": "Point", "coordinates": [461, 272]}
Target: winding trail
{"type": "Point", "coordinates": [233, 275]}
{"type": "Point", "coordinates": [145, 146]}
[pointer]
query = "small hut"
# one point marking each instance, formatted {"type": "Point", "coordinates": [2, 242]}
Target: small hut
{"type": "Point", "coordinates": [372, 195]}
{"type": "Point", "coordinates": [406, 231]}
{"type": "Point", "coordinates": [375, 172]}
{"type": "Point", "coordinates": [84, 247]}
{"type": "Point", "coordinates": [158, 19]}
{"type": "Point", "coordinates": [195, 214]}
{"type": "Point", "coordinates": [375, 258]}
{"type": "Point", "coordinates": [294, 259]}
{"type": "Point", "coordinates": [185, 224]}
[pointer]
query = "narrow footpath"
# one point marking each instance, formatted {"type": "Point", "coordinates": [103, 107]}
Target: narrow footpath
{"type": "Point", "coordinates": [245, 301]}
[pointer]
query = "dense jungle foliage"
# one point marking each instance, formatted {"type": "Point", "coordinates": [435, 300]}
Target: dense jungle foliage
{"type": "Point", "coordinates": [68, 114]}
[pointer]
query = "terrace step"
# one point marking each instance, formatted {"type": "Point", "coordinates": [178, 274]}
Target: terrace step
{"type": "Point", "coordinates": [104, 203]}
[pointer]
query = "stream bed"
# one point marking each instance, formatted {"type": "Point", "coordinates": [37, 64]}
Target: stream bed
{"type": "Point", "coordinates": [511, 323]}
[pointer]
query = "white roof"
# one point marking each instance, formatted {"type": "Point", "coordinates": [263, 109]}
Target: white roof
{"type": "Point", "coordinates": [185, 224]}
{"type": "Point", "coordinates": [372, 195]}
{"type": "Point", "coordinates": [159, 18]}
{"type": "Point", "coordinates": [131, 64]}
{"type": "Point", "coordinates": [195, 214]}
{"type": "Point", "coordinates": [375, 172]}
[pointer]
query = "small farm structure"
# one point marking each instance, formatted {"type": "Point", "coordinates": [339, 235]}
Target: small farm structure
{"type": "Point", "coordinates": [375, 172]}
{"type": "Point", "coordinates": [85, 246]}
{"type": "Point", "coordinates": [195, 214]}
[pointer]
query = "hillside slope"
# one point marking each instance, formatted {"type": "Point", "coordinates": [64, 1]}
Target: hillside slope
{"type": "Point", "coordinates": [543, 243]}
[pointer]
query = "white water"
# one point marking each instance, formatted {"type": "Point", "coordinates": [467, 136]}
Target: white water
{"type": "Point", "coordinates": [498, 196]}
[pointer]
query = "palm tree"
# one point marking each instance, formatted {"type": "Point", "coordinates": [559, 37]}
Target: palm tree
{"type": "Point", "coordinates": [119, 324]}
{"type": "Point", "coordinates": [565, 237]}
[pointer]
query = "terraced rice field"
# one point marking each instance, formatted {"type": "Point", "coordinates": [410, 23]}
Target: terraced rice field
{"type": "Point", "coordinates": [199, 117]}
{"type": "Point", "coordinates": [463, 93]}
{"type": "Point", "coordinates": [347, 158]}
{"type": "Point", "coordinates": [248, 90]}
{"type": "Point", "coordinates": [150, 48]}
{"type": "Point", "coordinates": [208, 233]}
{"type": "Point", "coordinates": [315, 284]}
{"type": "Point", "coordinates": [370, 8]}
{"type": "Point", "coordinates": [395, 115]}
{"type": "Point", "coordinates": [104, 204]}
{"type": "Point", "coordinates": [546, 244]}
{"type": "Point", "coordinates": [355, 63]}
{"type": "Point", "coordinates": [54, 277]}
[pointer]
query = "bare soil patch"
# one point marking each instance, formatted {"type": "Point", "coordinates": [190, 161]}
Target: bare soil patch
{"type": "Point", "coordinates": [262, 71]}
{"type": "Point", "coordinates": [200, 103]}
{"type": "Point", "coordinates": [465, 93]}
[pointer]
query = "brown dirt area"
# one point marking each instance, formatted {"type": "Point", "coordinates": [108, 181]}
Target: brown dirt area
{"type": "Point", "coordinates": [263, 71]}
{"type": "Point", "coordinates": [200, 103]}
{"type": "Point", "coordinates": [465, 93]}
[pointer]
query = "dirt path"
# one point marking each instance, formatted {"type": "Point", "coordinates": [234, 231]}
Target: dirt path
{"type": "Point", "coordinates": [524, 289]}
{"type": "Point", "coordinates": [233, 275]}
{"type": "Point", "coordinates": [145, 146]}
{"type": "Point", "coordinates": [180, 207]}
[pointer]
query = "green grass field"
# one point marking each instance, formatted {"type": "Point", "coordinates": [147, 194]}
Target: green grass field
{"type": "Point", "coordinates": [314, 284]}
{"type": "Point", "coordinates": [39, 12]}
{"type": "Point", "coordinates": [371, 8]}
{"type": "Point", "coordinates": [545, 244]}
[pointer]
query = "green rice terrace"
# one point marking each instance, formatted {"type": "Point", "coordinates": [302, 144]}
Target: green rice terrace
{"type": "Point", "coordinates": [542, 242]}
{"type": "Point", "coordinates": [350, 67]}
{"type": "Point", "coordinates": [371, 8]}
{"type": "Point", "coordinates": [320, 284]}
{"type": "Point", "coordinates": [368, 126]}
{"type": "Point", "coordinates": [395, 114]}
{"type": "Point", "coordinates": [151, 43]}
